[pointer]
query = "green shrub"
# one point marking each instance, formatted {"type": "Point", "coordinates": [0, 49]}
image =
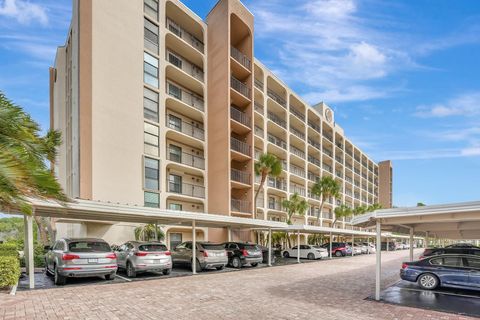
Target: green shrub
{"type": "Point", "coordinates": [9, 271]}
{"type": "Point", "coordinates": [8, 250]}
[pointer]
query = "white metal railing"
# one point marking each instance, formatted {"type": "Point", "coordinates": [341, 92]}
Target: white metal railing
{"type": "Point", "coordinates": [184, 95]}
{"type": "Point", "coordinates": [241, 57]}
{"type": "Point", "coordinates": [184, 65]}
{"type": "Point", "coordinates": [176, 29]}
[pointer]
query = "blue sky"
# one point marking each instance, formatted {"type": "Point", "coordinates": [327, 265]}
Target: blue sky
{"type": "Point", "coordinates": [403, 77]}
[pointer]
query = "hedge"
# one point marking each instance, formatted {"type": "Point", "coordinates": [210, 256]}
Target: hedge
{"type": "Point", "coordinates": [9, 271]}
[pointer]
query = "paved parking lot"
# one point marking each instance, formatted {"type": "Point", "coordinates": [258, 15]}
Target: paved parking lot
{"type": "Point", "coordinates": [333, 289]}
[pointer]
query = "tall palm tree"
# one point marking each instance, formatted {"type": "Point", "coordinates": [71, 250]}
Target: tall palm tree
{"type": "Point", "coordinates": [342, 211]}
{"type": "Point", "coordinates": [268, 165]}
{"type": "Point", "coordinates": [294, 205]}
{"type": "Point", "coordinates": [325, 188]}
{"type": "Point", "coordinates": [373, 207]}
{"type": "Point", "coordinates": [147, 232]}
{"type": "Point", "coordinates": [360, 210]}
{"type": "Point", "coordinates": [24, 153]}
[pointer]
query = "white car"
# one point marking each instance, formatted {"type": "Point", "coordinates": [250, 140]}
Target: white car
{"type": "Point", "coordinates": [357, 249]}
{"type": "Point", "coordinates": [306, 251]}
{"type": "Point", "coordinates": [370, 247]}
{"type": "Point", "coordinates": [363, 247]}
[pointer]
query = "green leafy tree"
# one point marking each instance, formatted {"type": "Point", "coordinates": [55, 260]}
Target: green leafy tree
{"type": "Point", "coordinates": [24, 171]}
{"type": "Point", "coordinates": [325, 188]}
{"type": "Point", "coordinates": [421, 204]}
{"type": "Point", "coordinates": [147, 233]}
{"type": "Point", "coordinates": [342, 211]}
{"type": "Point", "coordinates": [268, 165]}
{"type": "Point", "coordinates": [360, 210]}
{"type": "Point", "coordinates": [294, 205]}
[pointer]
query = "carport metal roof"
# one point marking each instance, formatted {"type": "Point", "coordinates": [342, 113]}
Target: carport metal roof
{"type": "Point", "coordinates": [324, 230]}
{"type": "Point", "coordinates": [450, 221]}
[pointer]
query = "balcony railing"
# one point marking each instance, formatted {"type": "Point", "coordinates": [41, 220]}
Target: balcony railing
{"type": "Point", "coordinates": [185, 35]}
{"type": "Point", "coordinates": [348, 179]}
{"type": "Point", "coordinates": [240, 176]}
{"type": "Point", "coordinates": [277, 184]}
{"type": "Point", "coordinates": [258, 84]}
{"type": "Point", "coordinates": [185, 96]}
{"type": "Point", "coordinates": [274, 118]}
{"type": "Point", "coordinates": [186, 189]}
{"type": "Point", "coordinates": [339, 159]}
{"type": "Point", "coordinates": [185, 128]}
{"type": "Point", "coordinates": [275, 97]}
{"type": "Point", "coordinates": [314, 143]}
{"type": "Point", "coordinates": [186, 158]}
{"type": "Point", "coordinates": [328, 152]}
{"type": "Point", "coordinates": [339, 174]}
{"type": "Point", "coordinates": [297, 152]}
{"type": "Point", "coordinates": [328, 136]}
{"type": "Point", "coordinates": [258, 107]}
{"type": "Point", "coordinates": [313, 196]}
{"type": "Point", "coordinates": [259, 131]}
{"type": "Point", "coordinates": [314, 160]}
{"type": "Point", "coordinates": [297, 133]}
{"type": "Point", "coordinates": [241, 57]}
{"type": "Point", "coordinates": [240, 146]}
{"type": "Point", "coordinates": [314, 126]}
{"type": "Point", "coordinates": [348, 193]}
{"type": "Point", "coordinates": [185, 65]}
{"type": "Point", "coordinates": [275, 205]}
{"type": "Point", "coordinates": [240, 87]}
{"type": "Point", "coordinates": [277, 141]}
{"type": "Point", "coordinates": [297, 113]}
{"type": "Point", "coordinates": [297, 170]}
{"type": "Point", "coordinates": [240, 205]}
{"type": "Point", "coordinates": [240, 116]}
{"type": "Point", "coordinates": [313, 177]}
{"type": "Point", "coordinates": [327, 167]}
{"type": "Point", "coordinates": [297, 189]}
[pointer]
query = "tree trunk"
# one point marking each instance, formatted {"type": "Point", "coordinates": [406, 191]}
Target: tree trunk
{"type": "Point", "coordinates": [320, 212]}
{"type": "Point", "coordinates": [41, 230]}
{"type": "Point", "coordinates": [288, 240]}
{"type": "Point", "coordinates": [260, 187]}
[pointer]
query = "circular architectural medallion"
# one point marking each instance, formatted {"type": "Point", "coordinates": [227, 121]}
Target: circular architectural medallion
{"type": "Point", "coordinates": [329, 115]}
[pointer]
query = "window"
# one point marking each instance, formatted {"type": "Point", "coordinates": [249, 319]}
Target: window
{"type": "Point", "coordinates": [151, 8]}
{"type": "Point", "coordinates": [88, 246]}
{"type": "Point", "coordinates": [151, 139]}
{"type": "Point", "coordinates": [175, 183]}
{"type": "Point", "coordinates": [175, 206]}
{"type": "Point", "coordinates": [176, 61]}
{"type": "Point", "coordinates": [150, 70]}
{"type": "Point", "coordinates": [452, 261]}
{"type": "Point", "coordinates": [150, 104]}
{"type": "Point", "coordinates": [151, 36]}
{"type": "Point", "coordinates": [151, 199]}
{"type": "Point", "coordinates": [152, 174]}
{"type": "Point", "coordinates": [175, 153]}
{"type": "Point", "coordinates": [473, 263]}
{"type": "Point", "coordinates": [188, 245]}
{"type": "Point", "coordinates": [174, 91]}
{"type": "Point", "coordinates": [174, 122]}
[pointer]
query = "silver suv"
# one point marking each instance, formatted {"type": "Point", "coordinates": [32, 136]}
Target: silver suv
{"type": "Point", "coordinates": [136, 257]}
{"type": "Point", "coordinates": [83, 257]}
{"type": "Point", "coordinates": [209, 255]}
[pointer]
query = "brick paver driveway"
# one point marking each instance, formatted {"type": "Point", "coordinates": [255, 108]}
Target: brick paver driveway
{"type": "Point", "coordinates": [322, 290]}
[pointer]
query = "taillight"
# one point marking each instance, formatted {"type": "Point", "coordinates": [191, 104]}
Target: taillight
{"type": "Point", "coordinates": [167, 253]}
{"type": "Point", "coordinates": [67, 257]}
{"type": "Point", "coordinates": [404, 265]}
{"type": "Point", "coordinates": [244, 252]}
{"type": "Point", "coordinates": [141, 253]}
{"type": "Point", "coordinates": [111, 256]}
{"type": "Point", "coordinates": [421, 257]}
{"type": "Point", "coordinates": [205, 254]}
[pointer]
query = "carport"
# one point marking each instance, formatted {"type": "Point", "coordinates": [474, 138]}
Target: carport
{"type": "Point", "coordinates": [102, 211]}
{"type": "Point", "coordinates": [458, 221]}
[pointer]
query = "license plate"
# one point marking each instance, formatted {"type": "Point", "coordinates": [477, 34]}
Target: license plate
{"type": "Point", "coordinates": [92, 260]}
{"type": "Point", "coordinates": [156, 261]}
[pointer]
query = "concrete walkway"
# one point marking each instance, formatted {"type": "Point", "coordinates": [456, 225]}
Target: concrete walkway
{"type": "Point", "coordinates": [322, 290]}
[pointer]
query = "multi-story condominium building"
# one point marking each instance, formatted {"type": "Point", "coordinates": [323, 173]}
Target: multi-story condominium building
{"type": "Point", "coordinates": [160, 109]}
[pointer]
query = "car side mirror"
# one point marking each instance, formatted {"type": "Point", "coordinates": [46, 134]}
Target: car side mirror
{"type": "Point", "coordinates": [47, 248]}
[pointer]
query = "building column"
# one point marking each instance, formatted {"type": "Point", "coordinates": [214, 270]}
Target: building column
{"type": "Point", "coordinates": [194, 248]}
{"type": "Point", "coordinates": [269, 247]}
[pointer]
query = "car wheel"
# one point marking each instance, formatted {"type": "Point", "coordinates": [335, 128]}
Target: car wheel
{"type": "Point", "coordinates": [167, 271]}
{"type": "Point", "coordinates": [131, 273]}
{"type": "Point", "coordinates": [310, 256]}
{"type": "Point", "coordinates": [428, 281]}
{"type": "Point", "coordinates": [236, 263]}
{"type": "Point", "coordinates": [220, 268]}
{"type": "Point", "coordinates": [254, 264]}
{"type": "Point", "coordinates": [286, 254]}
{"type": "Point", "coordinates": [59, 279]}
{"type": "Point", "coordinates": [110, 276]}
{"type": "Point", "coordinates": [338, 253]}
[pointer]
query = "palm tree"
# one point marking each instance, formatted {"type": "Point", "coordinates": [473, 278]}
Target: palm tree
{"type": "Point", "coordinates": [325, 188]}
{"type": "Point", "coordinates": [268, 165]}
{"type": "Point", "coordinates": [342, 211]}
{"type": "Point", "coordinates": [360, 210]}
{"type": "Point", "coordinates": [147, 233]}
{"type": "Point", "coordinates": [294, 205]}
{"type": "Point", "coordinates": [23, 162]}
{"type": "Point", "coordinates": [373, 207]}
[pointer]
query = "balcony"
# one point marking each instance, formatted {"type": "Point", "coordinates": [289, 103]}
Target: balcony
{"type": "Point", "coordinates": [339, 144]}
{"type": "Point", "coordinates": [314, 126]}
{"type": "Point", "coordinates": [240, 87]}
{"type": "Point", "coordinates": [258, 107]}
{"type": "Point", "coordinates": [348, 193]}
{"type": "Point", "coordinates": [297, 113]}
{"type": "Point", "coordinates": [277, 184]}
{"type": "Point", "coordinates": [348, 179]}
{"type": "Point", "coordinates": [297, 152]}
{"type": "Point", "coordinates": [339, 159]}
{"type": "Point", "coordinates": [313, 196]}
{"type": "Point", "coordinates": [238, 205]}
{"type": "Point", "coordinates": [186, 189]}
{"type": "Point", "coordinates": [186, 159]}
{"type": "Point", "coordinates": [275, 97]}
{"type": "Point", "coordinates": [314, 143]}
{"type": "Point", "coordinates": [184, 35]}
{"type": "Point", "coordinates": [297, 170]}
{"type": "Point", "coordinates": [314, 160]}
{"type": "Point", "coordinates": [328, 136]}
{"type": "Point", "coordinates": [259, 131]}
{"type": "Point", "coordinates": [185, 96]}
{"type": "Point", "coordinates": [184, 127]}
{"type": "Point", "coordinates": [313, 177]}
{"type": "Point", "coordinates": [240, 146]}
{"type": "Point", "coordinates": [297, 133]}
{"type": "Point", "coordinates": [185, 65]}
{"type": "Point", "coordinates": [327, 168]}
{"type": "Point", "coordinates": [274, 118]}
{"type": "Point", "coordinates": [241, 58]}
{"type": "Point", "coordinates": [277, 141]}
{"type": "Point", "coordinates": [297, 189]}
{"type": "Point", "coordinates": [240, 176]}
{"type": "Point", "coordinates": [259, 84]}
{"type": "Point", "coordinates": [275, 205]}
{"type": "Point", "coordinates": [240, 117]}
{"type": "Point", "coordinates": [339, 174]}
{"type": "Point", "coordinates": [328, 152]}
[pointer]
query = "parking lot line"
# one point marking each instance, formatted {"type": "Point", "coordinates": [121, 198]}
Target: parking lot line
{"type": "Point", "coordinates": [126, 279]}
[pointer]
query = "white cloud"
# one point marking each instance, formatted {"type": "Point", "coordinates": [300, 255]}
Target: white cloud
{"type": "Point", "coordinates": [463, 105]}
{"type": "Point", "coordinates": [352, 93]}
{"type": "Point", "coordinates": [23, 11]}
{"type": "Point", "coordinates": [429, 154]}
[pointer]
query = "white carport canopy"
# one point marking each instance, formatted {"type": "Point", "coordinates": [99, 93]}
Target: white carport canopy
{"type": "Point", "coordinates": [449, 221]}
{"type": "Point", "coordinates": [104, 211]}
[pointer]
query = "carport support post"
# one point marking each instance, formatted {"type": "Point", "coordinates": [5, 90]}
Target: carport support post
{"type": "Point", "coordinates": [298, 246]}
{"type": "Point", "coordinates": [25, 242]}
{"type": "Point", "coordinates": [229, 234]}
{"type": "Point", "coordinates": [269, 247]}
{"type": "Point", "coordinates": [31, 271]}
{"type": "Point", "coordinates": [411, 244]}
{"type": "Point", "coordinates": [194, 248]}
{"type": "Point", "coordinates": [378, 267]}
{"type": "Point", "coordinates": [353, 244]}
{"type": "Point", "coordinates": [156, 231]}
{"type": "Point", "coordinates": [330, 252]}
{"type": "Point", "coordinates": [387, 244]}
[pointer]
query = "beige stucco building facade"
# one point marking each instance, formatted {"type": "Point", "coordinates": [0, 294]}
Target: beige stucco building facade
{"type": "Point", "coordinates": [160, 108]}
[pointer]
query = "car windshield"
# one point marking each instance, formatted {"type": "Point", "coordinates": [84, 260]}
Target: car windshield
{"type": "Point", "coordinates": [250, 247]}
{"type": "Point", "coordinates": [88, 246]}
{"type": "Point", "coordinates": [212, 246]}
{"type": "Point", "coordinates": [153, 247]}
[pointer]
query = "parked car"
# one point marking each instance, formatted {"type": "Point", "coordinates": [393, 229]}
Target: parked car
{"type": "Point", "coordinates": [462, 245]}
{"type": "Point", "coordinates": [448, 270]}
{"type": "Point", "coordinates": [208, 254]}
{"type": "Point", "coordinates": [339, 249]}
{"type": "Point", "coordinates": [357, 249]}
{"type": "Point", "coordinates": [137, 257]}
{"type": "Point", "coordinates": [450, 250]}
{"type": "Point", "coordinates": [370, 247]}
{"type": "Point", "coordinates": [240, 254]}
{"type": "Point", "coordinates": [392, 246]}
{"type": "Point", "coordinates": [265, 254]}
{"type": "Point", "coordinates": [307, 252]}
{"type": "Point", "coordinates": [363, 248]}
{"type": "Point", "coordinates": [82, 257]}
